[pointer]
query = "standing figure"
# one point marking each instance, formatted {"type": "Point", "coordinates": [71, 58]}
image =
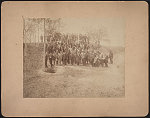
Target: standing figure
{"type": "Point", "coordinates": [51, 59]}
{"type": "Point", "coordinates": [106, 60]}
{"type": "Point", "coordinates": [95, 60]}
{"type": "Point", "coordinates": [78, 58]}
{"type": "Point", "coordinates": [56, 57]}
{"type": "Point", "coordinates": [50, 54]}
{"type": "Point", "coordinates": [87, 57]}
{"type": "Point", "coordinates": [101, 58]}
{"type": "Point", "coordinates": [46, 58]}
{"type": "Point", "coordinates": [111, 56]}
{"type": "Point", "coordinates": [73, 56]}
{"type": "Point", "coordinates": [83, 57]}
{"type": "Point", "coordinates": [60, 58]}
{"type": "Point", "coordinates": [64, 59]}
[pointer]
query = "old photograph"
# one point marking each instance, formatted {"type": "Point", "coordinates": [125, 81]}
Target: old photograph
{"type": "Point", "coordinates": [74, 59]}
{"type": "Point", "coordinates": [68, 57]}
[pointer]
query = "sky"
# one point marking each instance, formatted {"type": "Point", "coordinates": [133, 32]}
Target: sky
{"type": "Point", "coordinates": [114, 28]}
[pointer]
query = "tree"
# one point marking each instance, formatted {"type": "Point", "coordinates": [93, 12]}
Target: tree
{"type": "Point", "coordinates": [52, 26]}
{"type": "Point", "coordinates": [30, 26]}
{"type": "Point", "coordinates": [97, 35]}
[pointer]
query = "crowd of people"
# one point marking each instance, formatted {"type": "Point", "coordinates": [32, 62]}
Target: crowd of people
{"type": "Point", "coordinates": [75, 50]}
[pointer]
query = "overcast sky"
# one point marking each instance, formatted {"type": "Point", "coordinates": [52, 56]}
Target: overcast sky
{"type": "Point", "coordinates": [115, 28]}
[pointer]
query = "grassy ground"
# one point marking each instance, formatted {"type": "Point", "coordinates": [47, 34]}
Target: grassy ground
{"type": "Point", "coordinates": [77, 81]}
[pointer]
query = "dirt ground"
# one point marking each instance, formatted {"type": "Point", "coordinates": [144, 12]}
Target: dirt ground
{"type": "Point", "coordinates": [77, 81]}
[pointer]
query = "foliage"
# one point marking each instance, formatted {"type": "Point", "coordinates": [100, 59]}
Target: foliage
{"type": "Point", "coordinates": [32, 25]}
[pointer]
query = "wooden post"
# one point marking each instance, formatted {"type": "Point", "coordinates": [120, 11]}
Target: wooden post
{"type": "Point", "coordinates": [23, 29]}
{"type": "Point", "coordinates": [38, 32]}
{"type": "Point", "coordinates": [24, 42]}
{"type": "Point", "coordinates": [44, 43]}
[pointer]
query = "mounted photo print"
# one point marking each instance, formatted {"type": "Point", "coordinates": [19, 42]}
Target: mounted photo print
{"type": "Point", "coordinates": [74, 58]}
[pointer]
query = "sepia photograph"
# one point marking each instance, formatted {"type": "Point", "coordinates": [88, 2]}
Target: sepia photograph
{"type": "Point", "coordinates": [68, 57]}
{"type": "Point", "coordinates": [74, 58]}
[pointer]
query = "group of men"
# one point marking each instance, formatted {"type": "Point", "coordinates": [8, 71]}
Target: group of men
{"type": "Point", "coordinates": [60, 53]}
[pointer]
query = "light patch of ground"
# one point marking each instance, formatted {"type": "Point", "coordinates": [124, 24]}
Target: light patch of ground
{"type": "Point", "coordinates": [77, 81]}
